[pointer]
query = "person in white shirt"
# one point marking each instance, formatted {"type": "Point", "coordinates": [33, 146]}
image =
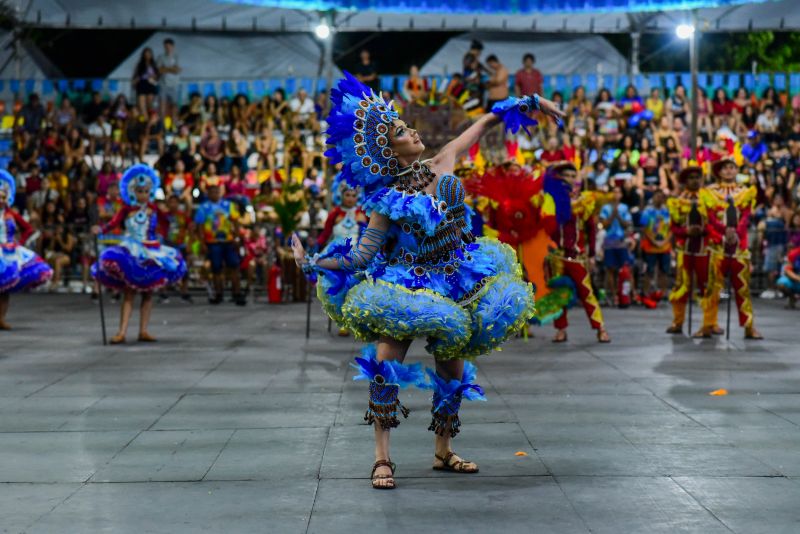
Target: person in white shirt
{"type": "Point", "coordinates": [302, 108]}
{"type": "Point", "coordinates": [170, 79]}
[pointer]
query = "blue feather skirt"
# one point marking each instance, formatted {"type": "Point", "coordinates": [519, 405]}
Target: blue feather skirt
{"type": "Point", "coordinates": [462, 315]}
{"type": "Point", "coordinates": [132, 265]}
{"type": "Point", "coordinates": [21, 268]}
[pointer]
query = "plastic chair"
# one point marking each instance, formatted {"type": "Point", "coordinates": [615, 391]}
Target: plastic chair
{"type": "Point", "coordinates": [209, 89]}
{"type": "Point", "coordinates": [193, 87]}
{"type": "Point", "coordinates": [654, 80]}
{"type": "Point", "coordinates": [79, 85]}
{"type": "Point", "coordinates": [243, 87]}
{"type": "Point", "coordinates": [30, 86]}
{"type": "Point", "coordinates": [308, 85]}
{"type": "Point", "coordinates": [14, 86]}
{"type": "Point", "coordinates": [291, 86]}
{"type": "Point", "coordinates": [591, 83]}
{"type": "Point", "coordinates": [113, 86]}
{"type": "Point", "coordinates": [97, 85]}
{"type": "Point", "coordinates": [47, 87]}
{"type": "Point", "coordinates": [780, 81]}
{"type": "Point", "coordinates": [670, 80]}
{"type": "Point", "coordinates": [259, 88]}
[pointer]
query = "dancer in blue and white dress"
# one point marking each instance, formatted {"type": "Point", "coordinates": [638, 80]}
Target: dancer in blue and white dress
{"type": "Point", "coordinates": [20, 267]}
{"type": "Point", "coordinates": [139, 263]}
{"type": "Point", "coordinates": [417, 271]}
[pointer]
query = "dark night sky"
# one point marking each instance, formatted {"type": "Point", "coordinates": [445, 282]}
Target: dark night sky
{"type": "Point", "coordinates": [95, 53]}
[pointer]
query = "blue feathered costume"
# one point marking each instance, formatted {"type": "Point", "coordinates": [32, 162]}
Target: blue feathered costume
{"type": "Point", "coordinates": [139, 262]}
{"type": "Point", "coordinates": [427, 277]}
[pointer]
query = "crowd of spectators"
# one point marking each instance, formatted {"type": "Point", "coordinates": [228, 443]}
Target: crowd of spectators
{"type": "Point", "coordinates": [68, 154]}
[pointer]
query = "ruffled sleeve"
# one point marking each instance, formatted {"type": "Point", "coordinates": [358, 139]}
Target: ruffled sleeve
{"type": "Point", "coordinates": [412, 208]}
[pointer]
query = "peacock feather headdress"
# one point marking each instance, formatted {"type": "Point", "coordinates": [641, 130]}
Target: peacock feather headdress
{"type": "Point", "coordinates": [358, 134]}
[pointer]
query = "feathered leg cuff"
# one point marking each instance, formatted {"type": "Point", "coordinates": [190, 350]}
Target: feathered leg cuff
{"type": "Point", "coordinates": [385, 380]}
{"type": "Point", "coordinates": [447, 397]}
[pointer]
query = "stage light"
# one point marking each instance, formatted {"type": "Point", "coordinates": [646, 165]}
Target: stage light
{"type": "Point", "coordinates": [684, 31]}
{"type": "Point", "coordinates": [322, 31]}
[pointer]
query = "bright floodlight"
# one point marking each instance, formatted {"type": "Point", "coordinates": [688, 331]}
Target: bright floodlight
{"type": "Point", "coordinates": [684, 31]}
{"type": "Point", "coordinates": [322, 30]}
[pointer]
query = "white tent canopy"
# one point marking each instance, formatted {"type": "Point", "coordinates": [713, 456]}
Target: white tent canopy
{"type": "Point", "coordinates": [226, 57]}
{"type": "Point", "coordinates": [212, 15]}
{"type": "Point", "coordinates": [565, 54]}
{"type": "Point", "coordinates": [26, 65]}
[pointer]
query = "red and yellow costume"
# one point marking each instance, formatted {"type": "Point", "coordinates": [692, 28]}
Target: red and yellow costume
{"type": "Point", "coordinates": [569, 220]}
{"type": "Point", "coordinates": [732, 260]}
{"type": "Point", "coordinates": [692, 252]}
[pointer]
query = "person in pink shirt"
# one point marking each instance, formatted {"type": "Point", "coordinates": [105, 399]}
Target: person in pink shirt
{"type": "Point", "coordinates": [105, 177]}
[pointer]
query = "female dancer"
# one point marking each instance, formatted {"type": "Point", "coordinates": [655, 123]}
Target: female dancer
{"type": "Point", "coordinates": [140, 263]}
{"type": "Point", "coordinates": [417, 271]}
{"type": "Point", "coordinates": [20, 268]}
{"type": "Point", "coordinates": [346, 220]}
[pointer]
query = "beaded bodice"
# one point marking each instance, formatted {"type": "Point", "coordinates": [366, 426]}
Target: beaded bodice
{"type": "Point", "coordinates": [443, 248]}
{"type": "Point", "coordinates": [141, 225]}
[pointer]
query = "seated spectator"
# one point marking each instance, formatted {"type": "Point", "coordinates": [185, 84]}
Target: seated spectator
{"type": "Point", "coordinates": [755, 150]}
{"type": "Point", "coordinates": [302, 109]}
{"type": "Point", "coordinates": [266, 147]}
{"type": "Point", "coordinates": [153, 139]}
{"type": "Point", "coordinates": [96, 107]}
{"type": "Point", "coordinates": [100, 135]}
{"type": "Point", "coordinates": [789, 281]}
{"type": "Point", "coordinates": [58, 251]}
{"type": "Point", "coordinates": [279, 109]}
{"type": "Point", "coordinates": [236, 150]}
{"type": "Point", "coordinates": [655, 104]}
{"type": "Point", "coordinates": [179, 183]}
{"type": "Point", "coordinates": [415, 87]}
{"type": "Point", "coordinates": [212, 147]}
{"type": "Point", "coordinates": [767, 124]}
{"type": "Point", "coordinates": [242, 114]}
{"type": "Point", "coordinates": [74, 148]}
{"type": "Point", "coordinates": [774, 238]}
{"type": "Point", "coordinates": [552, 152]}
{"type": "Point", "coordinates": [106, 177]}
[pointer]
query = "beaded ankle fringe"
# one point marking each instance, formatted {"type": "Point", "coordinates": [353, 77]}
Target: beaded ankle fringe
{"type": "Point", "coordinates": [442, 424]}
{"type": "Point", "coordinates": [384, 404]}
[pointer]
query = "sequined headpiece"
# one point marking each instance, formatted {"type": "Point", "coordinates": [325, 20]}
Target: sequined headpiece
{"type": "Point", "coordinates": [358, 133]}
{"type": "Point", "coordinates": [340, 185]}
{"type": "Point", "coordinates": [9, 185]}
{"type": "Point", "coordinates": [139, 175]}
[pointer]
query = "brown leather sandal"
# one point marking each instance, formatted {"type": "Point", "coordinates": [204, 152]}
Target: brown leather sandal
{"type": "Point", "coordinates": [558, 339]}
{"type": "Point", "coordinates": [459, 466]}
{"type": "Point", "coordinates": [602, 336]}
{"type": "Point", "coordinates": [674, 329]}
{"type": "Point", "coordinates": [375, 478]}
{"type": "Point", "coordinates": [117, 340]}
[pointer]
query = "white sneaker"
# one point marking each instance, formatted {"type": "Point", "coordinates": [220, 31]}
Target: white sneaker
{"type": "Point", "coordinates": [767, 294]}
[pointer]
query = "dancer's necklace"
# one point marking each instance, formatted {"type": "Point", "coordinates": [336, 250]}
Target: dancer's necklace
{"type": "Point", "coordinates": [416, 177]}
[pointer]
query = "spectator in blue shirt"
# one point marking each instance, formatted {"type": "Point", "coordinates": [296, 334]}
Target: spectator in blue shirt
{"type": "Point", "coordinates": [616, 219]}
{"type": "Point", "coordinates": [755, 149]}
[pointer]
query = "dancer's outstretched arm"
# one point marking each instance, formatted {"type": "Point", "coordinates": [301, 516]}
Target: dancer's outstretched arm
{"type": "Point", "coordinates": [447, 156]}
{"type": "Point", "coordinates": [358, 258]}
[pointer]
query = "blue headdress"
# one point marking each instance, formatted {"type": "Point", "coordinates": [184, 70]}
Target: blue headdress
{"type": "Point", "coordinates": [358, 133]}
{"type": "Point", "coordinates": [139, 175]}
{"type": "Point", "coordinates": [8, 183]}
{"type": "Point", "coordinates": [340, 185]}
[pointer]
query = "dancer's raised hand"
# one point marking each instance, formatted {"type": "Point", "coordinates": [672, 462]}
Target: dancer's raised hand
{"type": "Point", "coordinates": [298, 251]}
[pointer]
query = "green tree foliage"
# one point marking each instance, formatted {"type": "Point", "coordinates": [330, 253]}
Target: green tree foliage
{"type": "Point", "coordinates": [773, 52]}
